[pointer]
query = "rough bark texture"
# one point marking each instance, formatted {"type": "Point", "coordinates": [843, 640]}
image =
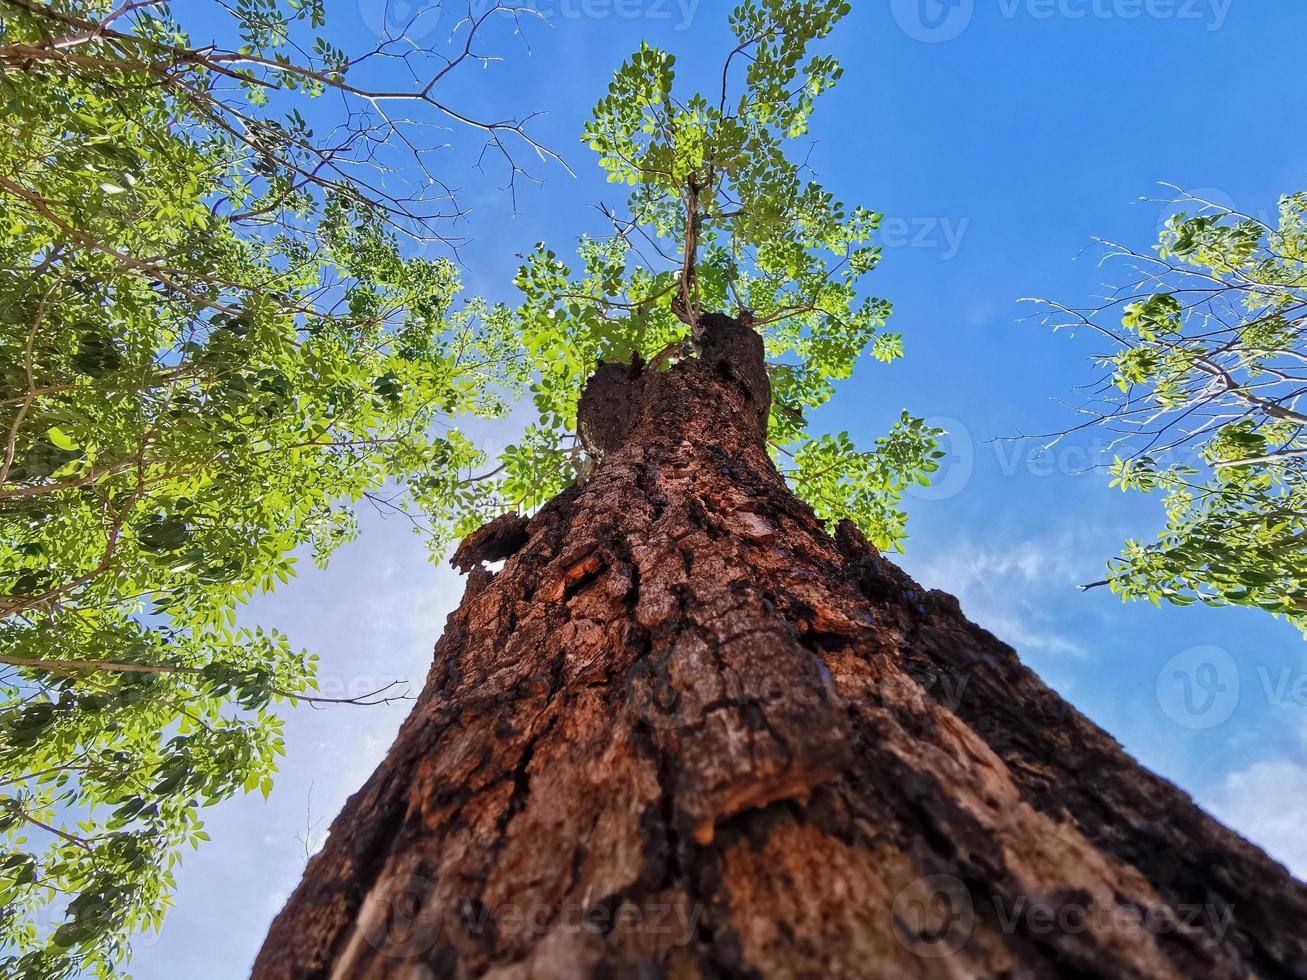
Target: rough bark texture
{"type": "Point", "coordinates": [685, 732]}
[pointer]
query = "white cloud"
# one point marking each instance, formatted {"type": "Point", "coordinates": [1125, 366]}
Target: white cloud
{"type": "Point", "coordinates": [1266, 803]}
{"type": "Point", "coordinates": [1007, 590]}
{"type": "Point", "coordinates": [1055, 562]}
{"type": "Point", "coordinates": [1022, 635]}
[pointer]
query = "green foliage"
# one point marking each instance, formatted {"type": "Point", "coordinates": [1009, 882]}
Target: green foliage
{"type": "Point", "coordinates": [1209, 369]}
{"type": "Point", "coordinates": [210, 350]}
{"type": "Point", "coordinates": [865, 487]}
{"type": "Point", "coordinates": [720, 217]}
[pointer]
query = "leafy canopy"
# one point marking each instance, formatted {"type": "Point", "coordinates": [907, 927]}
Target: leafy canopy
{"type": "Point", "coordinates": [720, 216]}
{"type": "Point", "coordinates": [211, 348]}
{"type": "Point", "coordinates": [1202, 390]}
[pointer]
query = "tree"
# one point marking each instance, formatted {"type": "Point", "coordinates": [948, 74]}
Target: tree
{"type": "Point", "coordinates": [719, 217]}
{"type": "Point", "coordinates": [213, 349]}
{"type": "Point", "coordinates": [1201, 393]}
{"type": "Point", "coordinates": [685, 731]}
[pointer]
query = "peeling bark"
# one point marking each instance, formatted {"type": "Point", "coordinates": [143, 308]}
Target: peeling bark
{"type": "Point", "coordinates": [685, 732]}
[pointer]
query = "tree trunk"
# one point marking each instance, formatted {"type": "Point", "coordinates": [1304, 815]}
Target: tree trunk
{"type": "Point", "coordinates": [685, 732]}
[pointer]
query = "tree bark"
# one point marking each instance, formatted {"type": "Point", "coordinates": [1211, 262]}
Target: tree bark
{"type": "Point", "coordinates": [686, 732]}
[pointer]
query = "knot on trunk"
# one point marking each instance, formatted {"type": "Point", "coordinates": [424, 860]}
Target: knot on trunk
{"type": "Point", "coordinates": [610, 406]}
{"type": "Point", "coordinates": [620, 397]}
{"type": "Point", "coordinates": [734, 350]}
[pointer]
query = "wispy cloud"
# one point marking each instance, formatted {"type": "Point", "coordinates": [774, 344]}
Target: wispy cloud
{"type": "Point", "coordinates": [1008, 590]}
{"type": "Point", "coordinates": [1022, 635]}
{"type": "Point", "coordinates": [1242, 799]}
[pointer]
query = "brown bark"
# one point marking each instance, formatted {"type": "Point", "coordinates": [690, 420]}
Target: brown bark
{"type": "Point", "coordinates": [685, 732]}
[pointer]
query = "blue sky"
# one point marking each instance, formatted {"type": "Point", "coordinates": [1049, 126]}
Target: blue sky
{"type": "Point", "coordinates": [999, 137]}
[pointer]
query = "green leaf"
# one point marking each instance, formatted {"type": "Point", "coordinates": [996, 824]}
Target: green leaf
{"type": "Point", "coordinates": [61, 439]}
